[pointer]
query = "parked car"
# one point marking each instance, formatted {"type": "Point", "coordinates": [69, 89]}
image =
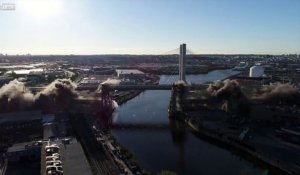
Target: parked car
{"type": "Point", "coordinates": [53, 163]}
{"type": "Point", "coordinates": [52, 169]}
{"type": "Point", "coordinates": [52, 159]}
{"type": "Point", "coordinates": [54, 155]}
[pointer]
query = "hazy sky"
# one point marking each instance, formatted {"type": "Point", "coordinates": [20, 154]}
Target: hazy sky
{"type": "Point", "coordinates": [150, 26]}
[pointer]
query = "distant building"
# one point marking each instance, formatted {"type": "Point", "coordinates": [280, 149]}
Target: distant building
{"type": "Point", "coordinates": [102, 70]}
{"type": "Point", "coordinates": [256, 71]}
{"type": "Point", "coordinates": [23, 72]}
{"type": "Point", "coordinates": [130, 74]}
{"type": "Point", "coordinates": [88, 84]}
{"type": "Point", "coordinates": [241, 67]}
{"type": "Point", "coordinates": [54, 72]}
{"type": "Point", "coordinates": [112, 82]}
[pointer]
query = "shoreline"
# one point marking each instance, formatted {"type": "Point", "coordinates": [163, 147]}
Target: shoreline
{"type": "Point", "coordinates": [239, 148]}
{"type": "Point", "coordinates": [134, 93]}
{"type": "Point", "coordinates": [233, 145]}
{"type": "Point", "coordinates": [123, 99]}
{"type": "Point", "coordinates": [173, 70]}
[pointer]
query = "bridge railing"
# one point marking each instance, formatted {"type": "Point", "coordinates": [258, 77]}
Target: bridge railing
{"type": "Point", "coordinates": [137, 87]}
{"type": "Point", "coordinates": [148, 87]}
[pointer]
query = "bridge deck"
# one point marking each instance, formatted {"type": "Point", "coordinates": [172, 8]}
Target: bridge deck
{"type": "Point", "coordinates": [149, 87]}
{"type": "Point", "coordinates": [138, 87]}
{"type": "Point", "coordinates": [134, 87]}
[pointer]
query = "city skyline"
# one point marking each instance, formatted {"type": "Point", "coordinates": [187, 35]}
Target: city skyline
{"type": "Point", "coordinates": [150, 27]}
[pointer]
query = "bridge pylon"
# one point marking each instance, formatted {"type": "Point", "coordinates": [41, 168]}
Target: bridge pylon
{"type": "Point", "coordinates": [182, 58]}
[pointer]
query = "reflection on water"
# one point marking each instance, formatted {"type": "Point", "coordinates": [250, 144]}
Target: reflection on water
{"type": "Point", "coordinates": [148, 107]}
{"type": "Point", "coordinates": [171, 147]}
{"type": "Point", "coordinates": [178, 133]}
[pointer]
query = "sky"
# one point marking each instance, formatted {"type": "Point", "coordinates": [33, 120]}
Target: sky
{"type": "Point", "coordinates": [150, 26]}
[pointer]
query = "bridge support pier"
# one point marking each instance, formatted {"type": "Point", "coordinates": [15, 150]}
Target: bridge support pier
{"type": "Point", "coordinates": [175, 106]}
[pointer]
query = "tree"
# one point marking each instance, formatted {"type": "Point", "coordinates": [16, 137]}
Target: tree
{"type": "Point", "coordinates": [14, 75]}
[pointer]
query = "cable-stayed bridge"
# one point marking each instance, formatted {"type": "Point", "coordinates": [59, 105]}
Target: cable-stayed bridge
{"type": "Point", "coordinates": [182, 51]}
{"type": "Point", "coordinates": [177, 51]}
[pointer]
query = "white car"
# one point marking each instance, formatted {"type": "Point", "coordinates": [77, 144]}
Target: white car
{"type": "Point", "coordinates": [51, 151]}
{"type": "Point", "coordinates": [54, 155]}
{"type": "Point", "coordinates": [53, 163]}
{"type": "Point", "coordinates": [53, 146]}
{"type": "Point", "coordinates": [53, 172]}
{"type": "Point", "coordinates": [53, 169]}
{"type": "Point", "coordinates": [52, 159]}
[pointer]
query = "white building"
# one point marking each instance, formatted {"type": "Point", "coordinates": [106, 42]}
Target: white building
{"type": "Point", "coordinates": [256, 71]}
{"type": "Point", "coordinates": [130, 74]}
{"type": "Point", "coordinates": [111, 81]}
{"type": "Point", "coordinates": [23, 72]}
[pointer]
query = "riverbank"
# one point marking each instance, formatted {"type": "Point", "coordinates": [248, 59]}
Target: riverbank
{"type": "Point", "coordinates": [99, 159]}
{"type": "Point", "coordinates": [120, 155]}
{"type": "Point", "coordinates": [190, 70]}
{"type": "Point", "coordinates": [124, 96]}
{"type": "Point", "coordinates": [173, 147]}
{"type": "Point", "coordinates": [239, 147]}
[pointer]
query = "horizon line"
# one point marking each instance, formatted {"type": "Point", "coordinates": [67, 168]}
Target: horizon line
{"type": "Point", "coordinates": [111, 54]}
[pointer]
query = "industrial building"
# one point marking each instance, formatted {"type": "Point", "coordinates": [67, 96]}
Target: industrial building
{"type": "Point", "coordinates": [132, 74]}
{"type": "Point", "coordinates": [92, 82]}
{"type": "Point", "coordinates": [256, 71]}
{"type": "Point", "coordinates": [19, 127]}
{"type": "Point", "coordinates": [23, 152]}
{"type": "Point", "coordinates": [102, 70]}
{"type": "Point", "coordinates": [23, 72]}
{"type": "Point", "coordinates": [88, 84]}
{"type": "Point", "coordinates": [54, 72]}
{"type": "Point", "coordinates": [112, 82]}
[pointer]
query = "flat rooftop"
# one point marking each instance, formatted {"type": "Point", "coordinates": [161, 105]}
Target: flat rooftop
{"type": "Point", "coordinates": [21, 146]}
{"type": "Point", "coordinates": [128, 71]}
{"type": "Point", "coordinates": [20, 116]}
{"type": "Point", "coordinates": [73, 159]}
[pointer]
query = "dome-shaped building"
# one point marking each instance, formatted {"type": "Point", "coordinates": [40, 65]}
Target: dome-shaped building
{"type": "Point", "coordinates": [256, 71]}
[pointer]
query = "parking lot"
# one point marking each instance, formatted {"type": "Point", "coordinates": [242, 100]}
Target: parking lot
{"type": "Point", "coordinates": [69, 156]}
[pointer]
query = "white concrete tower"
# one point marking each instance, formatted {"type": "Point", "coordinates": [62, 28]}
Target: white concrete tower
{"type": "Point", "coordinates": [182, 57]}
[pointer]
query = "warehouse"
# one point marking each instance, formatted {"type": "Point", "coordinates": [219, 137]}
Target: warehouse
{"type": "Point", "coordinates": [132, 74]}
{"type": "Point", "coordinates": [18, 127]}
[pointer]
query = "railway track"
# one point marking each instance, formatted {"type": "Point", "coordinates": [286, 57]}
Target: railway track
{"type": "Point", "coordinates": [97, 157]}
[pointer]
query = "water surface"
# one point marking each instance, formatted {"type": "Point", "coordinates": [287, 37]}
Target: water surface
{"type": "Point", "coordinates": [173, 147]}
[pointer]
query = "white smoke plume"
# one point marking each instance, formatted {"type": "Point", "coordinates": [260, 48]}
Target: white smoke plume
{"type": "Point", "coordinates": [279, 93]}
{"type": "Point", "coordinates": [14, 96]}
{"type": "Point", "coordinates": [59, 84]}
{"type": "Point", "coordinates": [226, 88]}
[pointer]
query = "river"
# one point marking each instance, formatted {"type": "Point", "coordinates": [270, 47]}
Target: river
{"type": "Point", "coordinates": [159, 144]}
